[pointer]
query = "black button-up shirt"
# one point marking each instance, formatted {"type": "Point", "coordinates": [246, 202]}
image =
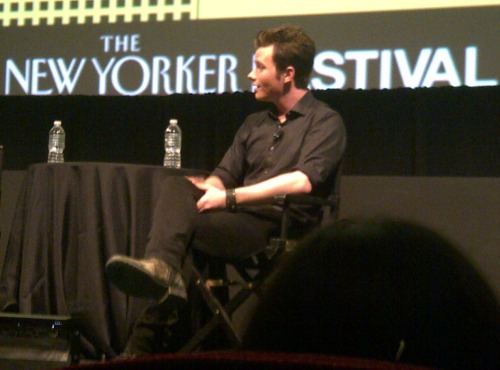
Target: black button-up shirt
{"type": "Point", "coordinates": [311, 140]}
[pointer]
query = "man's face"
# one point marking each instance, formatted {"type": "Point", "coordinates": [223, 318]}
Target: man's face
{"type": "Point", "coordinates": [268, 83]}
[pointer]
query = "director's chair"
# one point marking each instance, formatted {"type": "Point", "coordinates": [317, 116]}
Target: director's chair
{"type": "Point", "coordinates": [252, 272]}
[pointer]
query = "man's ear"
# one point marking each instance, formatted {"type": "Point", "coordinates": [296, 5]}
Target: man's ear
{"type": "Point", "coordinates": [289, 74]}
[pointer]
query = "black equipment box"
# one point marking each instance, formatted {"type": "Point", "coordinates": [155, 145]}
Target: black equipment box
{"type": "Point", "coordinates": [37, 341]}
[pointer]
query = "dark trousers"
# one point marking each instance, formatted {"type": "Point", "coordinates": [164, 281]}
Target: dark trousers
{"type": "Point", "coordinates": [178, 226]}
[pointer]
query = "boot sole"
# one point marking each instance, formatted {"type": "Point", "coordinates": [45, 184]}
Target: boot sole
{"type": "Point", "coordinates": [134, 281]}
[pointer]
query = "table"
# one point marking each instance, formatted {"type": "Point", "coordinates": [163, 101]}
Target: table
{"type": "Point", "coordinates": [70, 218]}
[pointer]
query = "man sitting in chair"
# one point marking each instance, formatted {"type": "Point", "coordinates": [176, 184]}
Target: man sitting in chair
{"type": "Point", "coordinates": [296, 147]}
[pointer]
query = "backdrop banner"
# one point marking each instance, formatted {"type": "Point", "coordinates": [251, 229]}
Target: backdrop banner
{"type": "Point", "coordinates": [141, 47]}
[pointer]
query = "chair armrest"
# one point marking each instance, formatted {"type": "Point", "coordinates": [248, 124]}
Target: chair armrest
{"type": "Point", "coordinates": [288, 199]}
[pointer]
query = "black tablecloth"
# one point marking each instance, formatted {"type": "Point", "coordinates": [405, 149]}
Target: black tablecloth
{"type": "Point", "coordinates": [69, 220]}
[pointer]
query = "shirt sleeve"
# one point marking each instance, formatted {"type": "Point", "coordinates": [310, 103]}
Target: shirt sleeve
{"type": "Point", "coordinates": [323, 147]}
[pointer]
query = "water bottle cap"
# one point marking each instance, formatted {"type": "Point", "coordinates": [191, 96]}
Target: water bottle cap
{"type": "Point", "coordinates": [57, 123]}
{"type": "Point", "coordinates": [173, 121]}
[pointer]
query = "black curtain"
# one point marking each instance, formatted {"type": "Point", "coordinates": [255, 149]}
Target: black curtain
{"type": "Point", "coordinates": [445, 131]}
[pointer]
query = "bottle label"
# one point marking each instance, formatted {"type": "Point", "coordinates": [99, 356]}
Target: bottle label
{"type": "Point", "coordinates": [56, 143]}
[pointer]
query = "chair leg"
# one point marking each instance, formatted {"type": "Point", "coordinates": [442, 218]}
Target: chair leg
{"type": "Point", "coordinates": [221, 314]}
{"type": "Point", "coordinates": [220, 317]}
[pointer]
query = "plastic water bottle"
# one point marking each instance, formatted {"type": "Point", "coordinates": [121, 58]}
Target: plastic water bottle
{"type": "Point", "coordinates": [57, 138]}
{"type": "Point", "coordinates": [173, 142]}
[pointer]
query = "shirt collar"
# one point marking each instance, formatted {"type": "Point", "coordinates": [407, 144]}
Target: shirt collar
{"type": "Point", "coordinates": [299, 109]}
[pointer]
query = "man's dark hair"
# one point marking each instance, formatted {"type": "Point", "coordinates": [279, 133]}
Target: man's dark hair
{"type": "Point", "coordinates": [292, 47]}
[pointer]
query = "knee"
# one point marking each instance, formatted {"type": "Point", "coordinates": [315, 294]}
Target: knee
{"type": "Point", "coordinates": [176, 182]}
{"type": "Point", "coordinates": [178, 187]}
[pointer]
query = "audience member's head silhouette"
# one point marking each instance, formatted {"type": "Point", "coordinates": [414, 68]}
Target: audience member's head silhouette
{"type": "Point", "coordinates": [379, 289]}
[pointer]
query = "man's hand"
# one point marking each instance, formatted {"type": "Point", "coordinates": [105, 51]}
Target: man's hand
{"type": "Point", "coordinates": [213, 198]}
{"type": "Point", "coordinates": [196, 179]}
